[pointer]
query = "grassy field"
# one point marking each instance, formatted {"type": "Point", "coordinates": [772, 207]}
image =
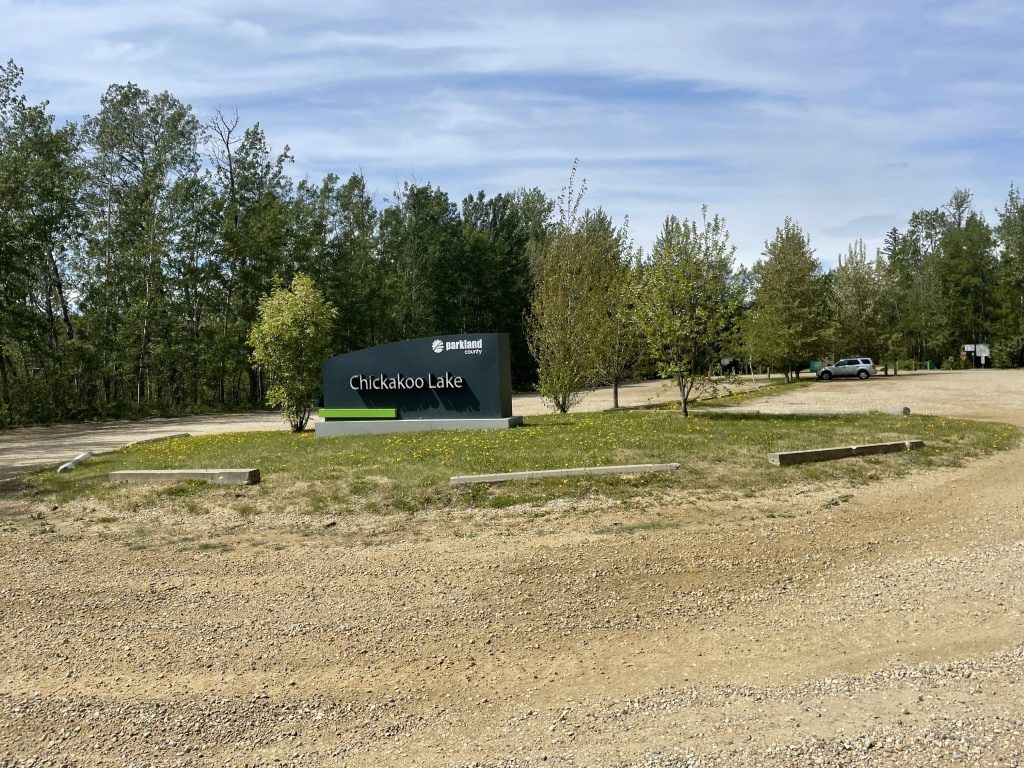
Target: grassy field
{"type": "Point", "coordinates": [722, 456]}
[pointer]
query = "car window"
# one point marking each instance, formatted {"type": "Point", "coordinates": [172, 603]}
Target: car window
{"type": "Point", "coordinates": [865, 361]}
{"type": "Point", "coordinates": [844, 362]}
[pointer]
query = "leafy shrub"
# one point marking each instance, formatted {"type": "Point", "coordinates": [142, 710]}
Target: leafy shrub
{"type": "Point", "coordinates": [1009, 353]}
{"type": "Point", "coordinates": [290, 340]}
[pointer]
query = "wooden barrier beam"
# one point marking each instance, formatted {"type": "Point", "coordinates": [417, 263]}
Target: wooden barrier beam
{"type": "Point", "coordinates": [785, 458]}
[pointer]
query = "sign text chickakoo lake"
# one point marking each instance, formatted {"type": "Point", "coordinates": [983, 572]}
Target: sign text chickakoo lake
{"type": "Point", "coordinates": [443, 381]}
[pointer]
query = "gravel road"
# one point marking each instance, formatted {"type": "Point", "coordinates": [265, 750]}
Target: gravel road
{"type": "Point", "coordinates": [879, 625]}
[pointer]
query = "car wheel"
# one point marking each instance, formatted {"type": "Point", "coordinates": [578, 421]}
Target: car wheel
{"type": "Point", "coordinates": [862, 374]}
{"type": "Point", "coordinates": [826, 376]}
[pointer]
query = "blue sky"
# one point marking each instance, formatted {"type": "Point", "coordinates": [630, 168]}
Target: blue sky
{"type": "Point", "coordinates": [846, 116]}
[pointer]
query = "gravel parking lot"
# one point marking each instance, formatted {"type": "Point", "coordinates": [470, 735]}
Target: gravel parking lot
{"type": "Point", "coordinates": [873, 625]}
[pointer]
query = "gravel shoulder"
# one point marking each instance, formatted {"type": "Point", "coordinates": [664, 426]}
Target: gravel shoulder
{"type": "Point", "coordinates": [870, 625]}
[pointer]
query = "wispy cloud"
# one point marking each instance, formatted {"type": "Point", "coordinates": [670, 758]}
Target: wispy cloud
{"type": "Point", "coordinates": [846, 116]}
{"type": "Point", "coordinates": [246, 30]}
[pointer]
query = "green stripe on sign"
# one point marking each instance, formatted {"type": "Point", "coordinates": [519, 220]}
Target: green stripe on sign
{"type": "Point", "coordinates": [358, 413]}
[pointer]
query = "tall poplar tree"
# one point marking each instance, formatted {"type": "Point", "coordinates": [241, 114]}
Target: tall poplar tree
{"type": "Point", "coordinates": [858, 306]}
{"type": "Point", "coordinates": [688, 300]}
{"type": "Point", "coordinates": [141, 146]}
{"type": "Point", "coordinates": [40, 183]}
{"type": "Point", "coordinates": [254, 244]}
{"type": "Point", "coordinates": [569, 317]}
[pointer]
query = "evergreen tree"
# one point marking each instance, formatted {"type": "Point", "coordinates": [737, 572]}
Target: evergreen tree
{"type": "Point", "coordinates": [788, 323]}
{"type": "Point", "coordinates": [423, 268]}
{"type": "Point", "coordinates": [1009, 351]}
{"type": "Point", "coordinates": [967, 275]}
{"type": "Point", "coordinates": [335, 228]}
{"type": "Point", "coordinates": [498, 234]}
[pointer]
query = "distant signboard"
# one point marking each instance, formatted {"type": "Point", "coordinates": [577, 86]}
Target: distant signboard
{"type": "Point", "coordinates": [978, 353]}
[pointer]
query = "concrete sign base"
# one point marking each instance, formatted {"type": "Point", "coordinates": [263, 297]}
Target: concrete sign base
{"type": "Point", "coordinates": [339, 428]}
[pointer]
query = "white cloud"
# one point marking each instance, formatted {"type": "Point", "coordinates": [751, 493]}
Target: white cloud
{"type": "Point", "coordinates": [246, 30]}
{"type": "Point", "coordinates": [103, 51]}
{"type": "Point", "coordinates": [844, 116]}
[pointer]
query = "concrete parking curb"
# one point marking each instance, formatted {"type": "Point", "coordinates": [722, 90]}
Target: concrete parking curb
{"type": "Point", "coordinates": [220, 476]}
{"type": "Point", "coordinates": [623, 469]}
{"type": "Point", "coordinates": [70, 465]}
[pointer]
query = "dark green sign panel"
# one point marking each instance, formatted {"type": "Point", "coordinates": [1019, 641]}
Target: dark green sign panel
{"type": "Point", "coordinates": [438, 377]}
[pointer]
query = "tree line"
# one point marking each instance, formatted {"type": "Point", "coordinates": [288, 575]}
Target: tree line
{"type": "Point", "coordinates": [136, 245]}
{"type": "Point", "coordinates": [687, 311]}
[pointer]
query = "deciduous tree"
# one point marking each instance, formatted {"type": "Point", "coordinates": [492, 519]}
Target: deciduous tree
{"type": "Point", "coordinates": [40, 186]}
{"type": "Point", "coordinates": [687, 301]}
{"type": "Point", "coordinates": [290, 340]}
{"type": "Point", "coordinates": [141, 146]}
{"type": "Point", "coordinates": [859, 320]}
{"type": "Point", "coordinates": [569, 317]}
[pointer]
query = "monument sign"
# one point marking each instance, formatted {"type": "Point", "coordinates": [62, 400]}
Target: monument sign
{"type": "Point", "coordinates": [438, 382]}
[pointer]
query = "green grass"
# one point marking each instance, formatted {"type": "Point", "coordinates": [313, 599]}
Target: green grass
{"type": "Point", "coordinates": [722, 456]}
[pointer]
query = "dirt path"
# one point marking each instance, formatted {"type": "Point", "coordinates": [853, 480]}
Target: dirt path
{"type": "Point", "coordinates": [855, 626]}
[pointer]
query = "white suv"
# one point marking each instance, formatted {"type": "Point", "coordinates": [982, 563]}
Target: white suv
{"type": "Point", "coordinates": [861, 367]}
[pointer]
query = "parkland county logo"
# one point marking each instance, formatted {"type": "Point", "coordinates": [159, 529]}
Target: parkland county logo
{"type": "Point", "coordinates": [468, 346]}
